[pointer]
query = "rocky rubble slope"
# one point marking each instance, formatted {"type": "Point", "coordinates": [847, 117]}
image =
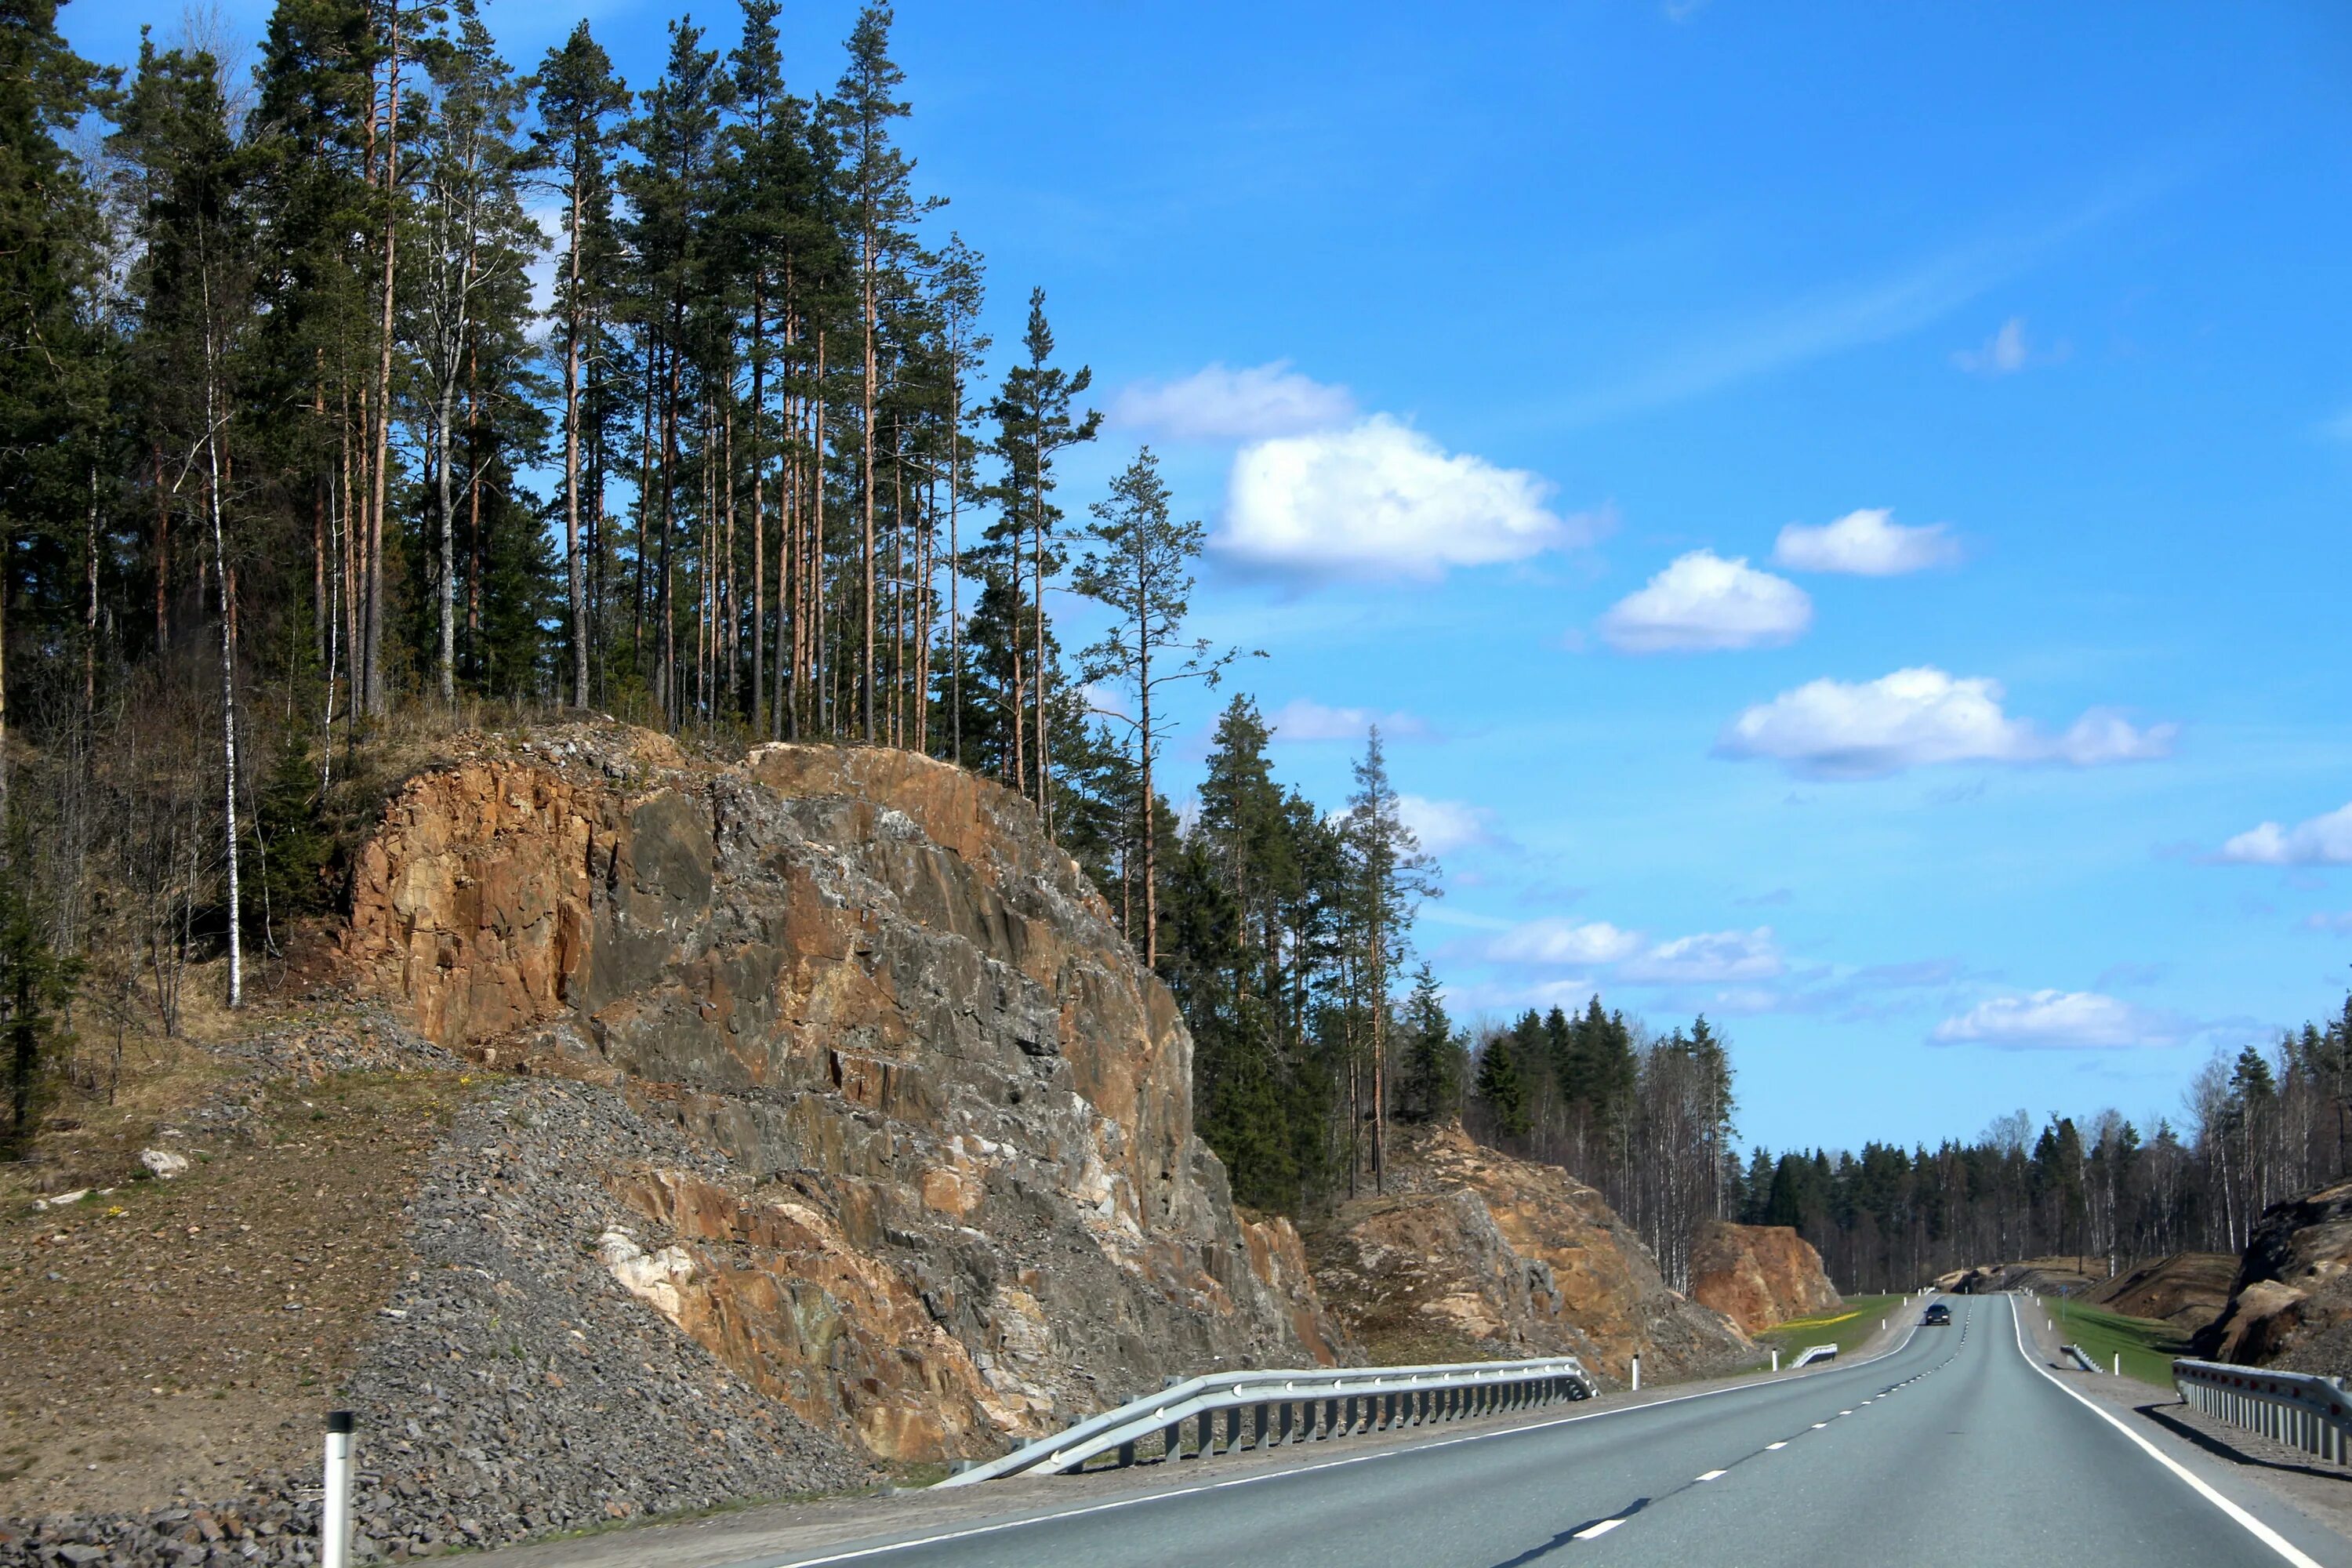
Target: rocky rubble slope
{"type": "Point", "coordinates": [933, 1185]}
{"type": "Point", "coordinates": [2291, 1304]}
{"type": "Point", "coordinates": [1473, 1253]}
{"type": "Point", "coordinates": [1759, 1276]}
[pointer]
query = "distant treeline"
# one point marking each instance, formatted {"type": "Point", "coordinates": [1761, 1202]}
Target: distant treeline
{"type": "Point", "coordinates": [2255, 1129]}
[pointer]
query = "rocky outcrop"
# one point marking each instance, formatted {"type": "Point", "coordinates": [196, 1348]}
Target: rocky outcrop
{"type": "Point", "coordinates": [2291, 1304]}
{"type": "Point", "coordinates": [952, 1195]}
{"type": "Point", "coordinates": [2188, 1289]}
{"type": "Point", "coordinates": [1759, 1276]}
{"type": "Point", "coordinates": [1473, 1253]}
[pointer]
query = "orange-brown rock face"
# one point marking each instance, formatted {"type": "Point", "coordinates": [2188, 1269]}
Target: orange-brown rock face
{"type": "Point", "coordinates": [1759, 1276]}
{"type": "Point", "coordinates": [966, 1203]}
{"type": "Point", "coordinates": [1473, 1253]}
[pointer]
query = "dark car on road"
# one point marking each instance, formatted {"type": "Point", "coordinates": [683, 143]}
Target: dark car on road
{"type": "Point", "coordinates": [1938, 1317]}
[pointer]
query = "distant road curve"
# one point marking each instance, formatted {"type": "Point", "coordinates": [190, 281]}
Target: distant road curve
{"type": "Point", "coordinates": [1955, 1446]}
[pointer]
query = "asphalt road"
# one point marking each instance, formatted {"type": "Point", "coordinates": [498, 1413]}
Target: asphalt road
{"type": "Point", "coordinates": [1955, 1446]}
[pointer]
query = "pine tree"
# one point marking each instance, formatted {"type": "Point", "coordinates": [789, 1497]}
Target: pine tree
{"type": "Point", "coordinates": [579, 97]}
{"type": "Point", "coordinates": [1392, 875]}
{"type": "Point", "coordinates": [1034, 423]}
{"type": "Point", "coordinates": [1140, 567]}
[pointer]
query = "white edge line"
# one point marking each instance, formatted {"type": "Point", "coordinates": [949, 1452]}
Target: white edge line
{"type": "Point", "coordinates": [998, 1526]}
{"type": "Point", "coordinates": [2255, 1527]}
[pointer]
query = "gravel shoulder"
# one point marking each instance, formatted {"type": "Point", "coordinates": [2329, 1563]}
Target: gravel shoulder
{"type": "Point", "coordinates": [2319, 1491]}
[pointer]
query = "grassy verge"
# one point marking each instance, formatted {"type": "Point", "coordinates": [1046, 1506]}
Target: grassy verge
{"type": "Point", "coordinates": [2147, 1348]}
{"type": "Point", "coordinates": [1846, 1328]}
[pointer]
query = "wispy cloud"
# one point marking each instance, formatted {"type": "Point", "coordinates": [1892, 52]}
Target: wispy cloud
{"type": "Point", "coordinates": [1868, 542]}
{"type": "Point", "coordinates": [2063, 1020]}
{"type": "Point", "coordinates": [1445, 827]}
{"type": "Point", "coordinates": [1830, 321]}
{"type": "Point", "coordinates": [2324, 840]}
{"type": "Point", "coordinates": [1917, 718]}
{"type": "Point", "coordinates": [1304, 719]}
{"type": "Point", "coordinates": [1560, 942]}
{"type": "Point", "coordinates": [1217, 403]}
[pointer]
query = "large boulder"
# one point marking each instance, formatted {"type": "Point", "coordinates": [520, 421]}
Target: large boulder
{"type": "Point", "coordinates": [1472, 1253]}
{"type": "Point", "coordinates": [954, 1197]}
{"type": "Point", "coordinates": [2291, 1304]}
{"type": "Point", "coordinates": [1759, 1276]}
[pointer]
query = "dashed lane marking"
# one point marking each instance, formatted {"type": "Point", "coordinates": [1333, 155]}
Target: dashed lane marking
{"type": "Point", "coordinates": [1593, 1531]}
{"type": "Point", "coordinates": [1710, 1476]}
{"type": "Point", "coordinates": [1781, 1444]}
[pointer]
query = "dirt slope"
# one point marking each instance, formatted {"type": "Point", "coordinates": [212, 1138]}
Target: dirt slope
{"type": "Point", "coordinates": [2188, 1289]}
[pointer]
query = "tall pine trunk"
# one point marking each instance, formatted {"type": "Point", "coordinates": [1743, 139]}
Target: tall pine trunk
{"type": "Point", "coordinates": [576, 587]}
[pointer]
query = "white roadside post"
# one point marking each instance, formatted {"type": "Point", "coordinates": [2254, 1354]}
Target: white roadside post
{"type": "Point", "coordinates": [335, 1509]}
{"type": "Point", "coordinates": [1776, 1360]}
{"type": "Point", "coordinates": [1637, 1373]}
{"type": "Point", "coordinates": [2119, 1363]}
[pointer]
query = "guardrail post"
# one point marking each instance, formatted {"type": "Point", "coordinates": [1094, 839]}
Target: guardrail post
{"type": "Point", "coordinates": [1175, 1441]}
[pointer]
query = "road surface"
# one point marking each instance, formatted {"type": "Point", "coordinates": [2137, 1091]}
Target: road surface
{"type": "Point", "coordinates": [1955, 1446]}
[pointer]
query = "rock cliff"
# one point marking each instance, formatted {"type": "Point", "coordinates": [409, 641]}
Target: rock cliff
{"type": "Point", "coordinates": [945, 1190]}
{"type": "Point", "coordinates": [1759, 1276]}
{"type": "Point", "coordinates": [1473, 1253]}
{"type": "Point", "coordinates": [2291, 1304]}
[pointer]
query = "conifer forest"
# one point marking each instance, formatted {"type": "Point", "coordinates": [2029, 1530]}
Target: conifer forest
{"type": "Point", "coordinates": [320, 438]}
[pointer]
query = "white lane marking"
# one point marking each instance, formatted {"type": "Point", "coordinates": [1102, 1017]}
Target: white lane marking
{"type": "Point", "coordinates": [1819, 1424]}
{"type": "Point", "coordinates": [1845, 1411]}
{"type": "Point", "coordinates": [2255, 1527]}
{"type": "Point", "coordinates": [1710, 1476]}
{"type": "Point", "coordinates": [998, 1527]}
{"type": "Point", "coordinates": [1591, 1531]}
{"type": "Point", "coordinates": [1781, 1444]}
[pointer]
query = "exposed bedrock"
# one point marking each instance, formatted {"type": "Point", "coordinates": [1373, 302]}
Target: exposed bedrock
{"type": "Point", "coordinates": [956, 1196]}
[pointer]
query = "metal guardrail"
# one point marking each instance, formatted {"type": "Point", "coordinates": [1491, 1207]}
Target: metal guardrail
{"type": "Point", "coordinates": [2082, 1358]}
{"type": "Point", "coordinates": [1271, 1409]}
{"type": "Point", "coordinates": [1813, 1353]}
{"type": "Point", "coordinates": [2297, 1408]}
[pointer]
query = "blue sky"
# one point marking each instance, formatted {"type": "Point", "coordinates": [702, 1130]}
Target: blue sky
{"type": "Point", "coordinates": [1842, 509]}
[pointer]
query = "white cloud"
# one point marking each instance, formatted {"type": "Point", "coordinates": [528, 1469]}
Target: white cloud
{"type": "Point", "coordinates": [1382, 499]}
{"type": "Point", "coordinates": [1867, 543]}
{"type": "Point", "coordinates": [2322, 841]}
{"type": "Point", "coordinates": [2077, 1020]}
{"type": "Point", "coordinates": [1709, 958]}
{"type": "Point", "coordinates": [1916, 718]}
{"type": "Point", "coordinates": [2003, 353]}
{"type": "Point", "coordinates": [2342, 922]}
{"type": "Point", "coordinates": [1446, 826]}
{"type": "Point", "coordinates": [1303, 719]}
{"type": "Point", "coordinates": [1217, 403]}
{"type": "Point", "coordinates": [1702, 603]}
{"type": "Point", "coordinates": [1555, 940]}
